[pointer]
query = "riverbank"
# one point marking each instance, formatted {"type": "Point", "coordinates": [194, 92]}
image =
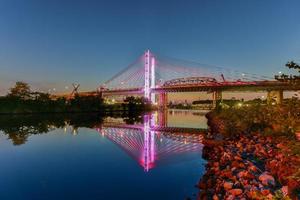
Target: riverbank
{"type": "Point", "coordinates": [251, 158]}
{"type": "Point", "coordinates": [85, 104]}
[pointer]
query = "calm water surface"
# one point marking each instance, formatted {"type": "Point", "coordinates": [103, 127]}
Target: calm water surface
{"type": "Point", "coordinates": [149, 157]}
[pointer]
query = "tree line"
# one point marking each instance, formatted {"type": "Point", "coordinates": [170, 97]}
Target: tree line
{"type": "Point", "coordinates": [21, 99]}
{"type": "Point", "coordinates": [292, 78]}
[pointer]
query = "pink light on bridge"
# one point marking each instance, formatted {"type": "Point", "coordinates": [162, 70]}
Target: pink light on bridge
{"type": "Point", "coordinates": [152, 79]}
{"type": "Point", "coordinates": [148, 145]}
{"type": "Point", "coordinates": [147, 75]}
{"type": "Point", "coordinates": [148, 156]}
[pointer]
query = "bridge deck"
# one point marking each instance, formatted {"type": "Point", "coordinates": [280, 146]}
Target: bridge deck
{"type": "Point", "coordinates": [224, 86]}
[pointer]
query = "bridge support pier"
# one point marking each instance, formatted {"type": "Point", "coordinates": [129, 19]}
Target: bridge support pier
{"type": "Point", "coordinates": [275, 96]}
{"type": "Point", "coordinates": [162, 118]}
{"type": "Point", "coordinates": [217, 97]}
{"type": "Point", "coordinates": [163, 100]}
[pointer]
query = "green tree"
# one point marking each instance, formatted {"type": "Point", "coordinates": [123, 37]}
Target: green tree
{"type": "Point", "coordinates": [294, 79]}
{"type": "Point", "coordinates": [44, 97]}
{"type": "Point", "coordinates": [20, 90]}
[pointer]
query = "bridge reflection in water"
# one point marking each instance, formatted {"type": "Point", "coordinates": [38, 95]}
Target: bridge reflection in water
{"type": "Point", "coordinates": [152, 143]}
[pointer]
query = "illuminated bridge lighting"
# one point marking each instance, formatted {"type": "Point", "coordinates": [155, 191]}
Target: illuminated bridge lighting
{"type": "Point", "coordinates": [150, 147]}
{"type": "Point", "coordinates": [152, 74]}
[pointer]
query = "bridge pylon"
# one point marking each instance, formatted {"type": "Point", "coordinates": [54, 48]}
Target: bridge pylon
{"type": "Point", "coordinates": [149, 64]}
{"type": "Point", "coordinates": [217, 97]}
{"type": "Point", "coordinates": [163, 100]}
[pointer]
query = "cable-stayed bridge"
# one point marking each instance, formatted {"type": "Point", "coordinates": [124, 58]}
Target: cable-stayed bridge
{"type": "Point", "coordinates": [155, 76]}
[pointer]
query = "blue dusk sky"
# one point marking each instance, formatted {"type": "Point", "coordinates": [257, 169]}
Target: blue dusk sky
{"type": "Point", "coordinates": [53, 43]}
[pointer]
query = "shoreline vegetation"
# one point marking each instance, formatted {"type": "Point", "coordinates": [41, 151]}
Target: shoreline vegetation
{"type": "Point", "coordinates": [21, 100]}
{"type": "Point", "coordinates": [253, 153]}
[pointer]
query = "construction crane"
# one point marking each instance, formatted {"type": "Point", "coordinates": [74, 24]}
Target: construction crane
{"type": "Point", "coordinates": [223, 78]}
{"type": "Point", "coordinates": [75, 89]}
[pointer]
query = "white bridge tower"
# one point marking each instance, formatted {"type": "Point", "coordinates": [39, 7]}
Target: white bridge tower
{"type": "Point", "coordinates": [149, 77]}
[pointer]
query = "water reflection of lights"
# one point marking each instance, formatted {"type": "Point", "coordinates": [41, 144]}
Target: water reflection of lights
{"type": "Point", "coordinates": [75, 131]}
{"type": "Point", "coordinates": [148, 146]}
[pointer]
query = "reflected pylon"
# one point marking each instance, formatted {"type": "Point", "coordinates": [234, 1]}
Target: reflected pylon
{"type": "Point", "coordinates": [149, 144]}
